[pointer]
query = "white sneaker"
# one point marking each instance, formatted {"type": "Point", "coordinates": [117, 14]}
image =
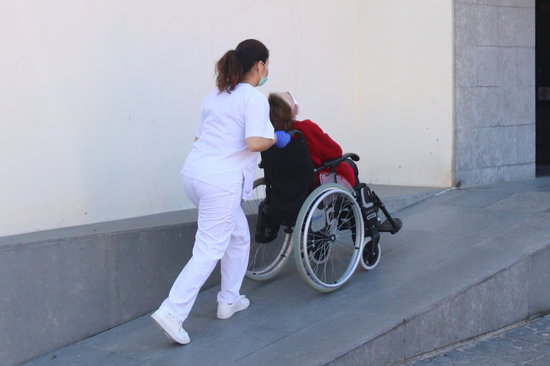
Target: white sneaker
{"type": "Point", "coordinates": [225, 311]}
{"type": "Point", "coordinates": [171, 326]}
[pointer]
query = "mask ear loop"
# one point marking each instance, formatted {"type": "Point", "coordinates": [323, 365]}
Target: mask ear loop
{"type": "Point", "coordinates": [266, 69]}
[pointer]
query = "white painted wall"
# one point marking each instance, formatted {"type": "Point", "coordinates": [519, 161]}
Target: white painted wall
{"type": "Point", "coordinates": [406, 102]}
{"type": "Point", "coordinates": [99, 99]}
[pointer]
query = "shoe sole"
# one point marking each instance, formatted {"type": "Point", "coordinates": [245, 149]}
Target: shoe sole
{"type": "Point", "coordinates": [158, 323]}
{"type": "Point", "coordinates": [223, 317]}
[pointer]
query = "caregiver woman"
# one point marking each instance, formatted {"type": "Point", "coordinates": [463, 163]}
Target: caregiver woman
{"type": "Point", "coordinates": [218, 172]}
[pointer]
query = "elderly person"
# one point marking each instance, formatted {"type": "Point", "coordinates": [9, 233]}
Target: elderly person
{"type": "Point", "coordinates": [283, 111]}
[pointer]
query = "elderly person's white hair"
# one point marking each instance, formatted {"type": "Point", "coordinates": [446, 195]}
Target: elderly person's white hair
{"type": "Point", "coordinates": [287, 97]}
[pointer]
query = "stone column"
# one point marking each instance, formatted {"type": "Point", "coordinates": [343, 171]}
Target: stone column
{"type": "Point", "coordinates": [494, 91]}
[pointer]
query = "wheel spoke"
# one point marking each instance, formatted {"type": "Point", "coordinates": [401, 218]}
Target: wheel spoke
{"type": "Point", "coordinates": [331, 249]}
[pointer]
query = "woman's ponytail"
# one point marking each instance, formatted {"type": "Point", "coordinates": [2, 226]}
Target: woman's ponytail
{"type": "Point", "coordinates": [229, 72]}
{"type": "Point", "coordinates": [231, 68]}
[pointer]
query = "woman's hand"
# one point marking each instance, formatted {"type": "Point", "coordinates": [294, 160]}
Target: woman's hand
{"type": "Point", "coordinates": [283, 138]}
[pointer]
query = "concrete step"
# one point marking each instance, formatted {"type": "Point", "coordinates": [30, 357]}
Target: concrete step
{"type": "Point", "coordinates": [466, 262]}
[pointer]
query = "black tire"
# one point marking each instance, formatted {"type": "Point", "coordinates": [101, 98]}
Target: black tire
{"type": "Point", "coordinates": [369, 257]}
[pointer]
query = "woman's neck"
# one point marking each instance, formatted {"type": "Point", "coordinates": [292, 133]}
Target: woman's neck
{"type": "Point", "coordinates": [250, 78]}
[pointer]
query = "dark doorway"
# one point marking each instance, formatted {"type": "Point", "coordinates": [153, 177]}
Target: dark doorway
{"type": "Point", "coordinates": [543, 87]}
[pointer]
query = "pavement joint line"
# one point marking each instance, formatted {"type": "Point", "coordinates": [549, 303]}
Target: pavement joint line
{"type": "Point", "coordinates": [535, 359]}
{"type": "Point", "coordinates": [118, 354]}
{"type": "Point", "coordinates": [53, 355]}
{"type": "Point", "coordinates": [149, 358]}
{"type": "Point", "coordinates": [445, 191]}
{"type": "Point", "coordinates": [274, 342]}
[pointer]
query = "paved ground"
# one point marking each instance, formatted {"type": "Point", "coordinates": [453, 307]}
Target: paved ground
{"type": "Point", "coordinates": [527, 345]}
{"type": "Point", "coordinates": [459, 268]}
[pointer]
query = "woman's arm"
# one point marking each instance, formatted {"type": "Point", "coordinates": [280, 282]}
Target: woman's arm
{"type": "Point", "coordinates": [258, 144]}
{"type": "Point", "coordinates": [258, 128]}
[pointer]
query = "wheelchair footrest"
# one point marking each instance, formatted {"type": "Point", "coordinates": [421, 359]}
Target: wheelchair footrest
{"type": "Point", "coordinates": [387, 226]}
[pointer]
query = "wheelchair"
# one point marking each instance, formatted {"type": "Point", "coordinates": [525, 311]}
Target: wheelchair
{"type": "Point", "coordinates": [329, 228]}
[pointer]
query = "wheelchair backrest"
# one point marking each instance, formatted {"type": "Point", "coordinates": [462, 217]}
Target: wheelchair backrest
{"type": "Point", "coordinates": [289, 179]}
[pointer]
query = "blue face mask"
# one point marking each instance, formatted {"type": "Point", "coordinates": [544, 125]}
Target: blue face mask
{"type": "Point", "coordinates": [263, 80]}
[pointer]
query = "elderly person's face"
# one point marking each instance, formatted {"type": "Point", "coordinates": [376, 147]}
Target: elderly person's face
{"type": "Point", "coordinates": [287, 97]}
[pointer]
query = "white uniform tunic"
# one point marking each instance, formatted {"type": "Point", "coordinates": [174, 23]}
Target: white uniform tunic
{"type": "Point", "coordinates": [220, 156]}
{"type": "Point", "coordinates": [217, 173]}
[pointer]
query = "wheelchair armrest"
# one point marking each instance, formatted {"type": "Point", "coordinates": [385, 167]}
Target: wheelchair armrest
{"type": "Point", "coordinates": [333, 163]}
{"type": "Point", "coordinates": [298, 134]}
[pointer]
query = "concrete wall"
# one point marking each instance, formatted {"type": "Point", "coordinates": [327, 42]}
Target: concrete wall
{"type": "Point", "coordinates": [62, 286]}
{"type": "Point", "coordinates": [495, 90]}
{"type": "Point", "coordinates": [99, 100]}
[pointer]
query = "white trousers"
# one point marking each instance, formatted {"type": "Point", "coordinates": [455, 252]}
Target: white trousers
{"type": "Point", "coordinates": [222, 234]}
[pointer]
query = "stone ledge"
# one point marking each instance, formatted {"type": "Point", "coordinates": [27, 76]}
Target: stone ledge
{"type": "Point", "coordinates": [493, 303]}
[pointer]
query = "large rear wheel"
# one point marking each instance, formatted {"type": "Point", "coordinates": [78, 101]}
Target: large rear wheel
{"type": "Point", "coordinates": [328, 237]}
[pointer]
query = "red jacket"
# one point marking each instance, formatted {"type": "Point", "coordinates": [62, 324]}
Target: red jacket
{"type": "Point", "coordinates": [322, 148]}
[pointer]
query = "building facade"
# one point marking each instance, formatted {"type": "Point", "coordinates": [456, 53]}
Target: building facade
{"type": "Point", "coordinates": [103, 97]}
{"type": "Point", "coordinates": [494, 91]}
